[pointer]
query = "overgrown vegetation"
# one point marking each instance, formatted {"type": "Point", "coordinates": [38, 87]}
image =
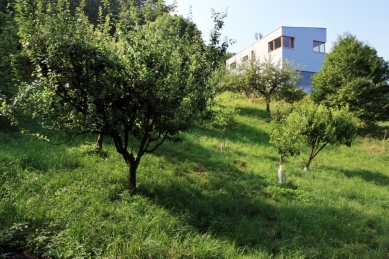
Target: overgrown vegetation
{"type": "Point", "coordinates": [149, 78]}
{"type": "Point", "coordinates": [195, 201]}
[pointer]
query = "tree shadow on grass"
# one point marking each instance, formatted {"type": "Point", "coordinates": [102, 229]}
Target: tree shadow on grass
{"type": "Point", "coordinates": [375, 131]}
{"type": "Point", "coordinates": [215, 195]}
{"type": "Point", "coordinates": [211, 158]}
{"type": "Point", "coordinates": [218, 197]}
{"type": "Point", "coordinates": [366, 175]}
{"type": "Point", "coordinates": [242, 133]}
{"type": "Point", "coordinates": [242, 213]}
{"type": "Point", "coordinates": [253, 113]}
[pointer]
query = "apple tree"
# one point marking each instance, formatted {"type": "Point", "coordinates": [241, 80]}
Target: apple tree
{"type": "Point", "coordinates": [267, 78]}
{"type": "Point", "coordinates": [139, 88]}
{"type": "Point", "coordinates": [314, 125]}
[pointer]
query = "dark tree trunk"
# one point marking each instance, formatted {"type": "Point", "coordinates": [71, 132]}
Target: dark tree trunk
{"type": "Point", "coordinates": [99, 143]}
{"type": "Point", "coordinates": [132, 161]}
{"type": "Point", "coordinates": [132, 164]}
{"type": "Point", "coordinates": [311, 156]}
{"type": "Point", "coordinates": [314, 151]}
{"type": "Point", "coordinates": [132, 177]}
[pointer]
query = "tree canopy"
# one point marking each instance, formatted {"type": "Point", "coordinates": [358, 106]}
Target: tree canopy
{"type": "Point", "coordinates": [128, 12]}
{"type": "Point", "coordinates": [353, 75]}
{"type": "Point", "coordinates": [314, 125]}
{"type": "Point", "coordinates": [139, 88]}
{"type": "Point", "coordinates": [267, 78]}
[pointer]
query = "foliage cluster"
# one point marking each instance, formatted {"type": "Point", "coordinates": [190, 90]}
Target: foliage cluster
{"type": "Point", "coordinates": [266, 78]}
{"type": "Point", "coordinates": [314, 125]}
{"type": "Point", "coordinates": [128, 12]}
{"type": "Point", "coordinates": [224, 117]}
{"type": "Point", "coordinates": [8, 47]}
{"type": "Point", "coordinates": [139, 88]}
{"type": "Point", "coordinates": [353, 75]}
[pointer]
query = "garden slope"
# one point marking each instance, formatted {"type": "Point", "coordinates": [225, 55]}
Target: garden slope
{"type": "Point", "coordinates": [193, 200]}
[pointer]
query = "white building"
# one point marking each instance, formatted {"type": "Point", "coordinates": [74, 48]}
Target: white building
{"type": "Point", "coordinates": [304, 46]}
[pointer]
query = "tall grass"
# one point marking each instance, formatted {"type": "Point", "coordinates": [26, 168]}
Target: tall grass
{"type": "Point", "coordinates": [195, 201]}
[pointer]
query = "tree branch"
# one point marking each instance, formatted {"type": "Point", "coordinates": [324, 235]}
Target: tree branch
{"type": "Point", "coordinates": [126, 132]}
{"type": "Point", "coordinates": [118, 144]}
{"type": "Point", "coordinates": [314, 155]}
{"type": "Point", "coordinates": [157, 145]}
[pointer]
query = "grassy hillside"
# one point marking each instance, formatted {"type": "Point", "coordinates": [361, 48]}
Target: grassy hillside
{"type": "Point", "coordinates": [195, 201]}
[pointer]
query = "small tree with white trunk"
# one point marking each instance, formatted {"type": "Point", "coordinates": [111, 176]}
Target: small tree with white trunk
{"type": "Point", "coordinates": [315, 125]}
{"type": "Point", "coordinates": [286, 142]}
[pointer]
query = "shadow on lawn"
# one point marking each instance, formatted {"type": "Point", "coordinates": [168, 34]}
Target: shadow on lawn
{"type": "Point", "coordinates": [368, 176]}
{"type": "Point", "coordinates": [241, 213]}
{"type": "Point", "coordinates": [212, 158]}
{"type": "Point", "coordinates": [243, 133]}
{"type": "Point", "coordinates": [221, 199]}
{"type": "Point", "coordinates": [253, 113]}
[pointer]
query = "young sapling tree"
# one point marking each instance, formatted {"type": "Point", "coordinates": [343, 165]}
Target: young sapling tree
{"type": "Point", "coordinates": [225, 118]}
{"type": "Point", "coordinates": [317, 126]}
{"type": "Point", "coordinates": [286, 139]}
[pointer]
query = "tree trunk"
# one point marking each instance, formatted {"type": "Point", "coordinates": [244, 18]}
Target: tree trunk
{"type": "Point", "coordinates": [133, 166]}
{"type": "Point", "coordinates": [99, 143]}
{"type": "Point", "coordinates": [308, 163]}
{"type": "Point", "coordinates": [222, 141]}
{"type": "Point", "coordinates": [129, 158]}
{"type": "Point", "coordinates": [268, 106]}
{"type": "Point", "coordinates": [132, 176]}
{"type": "Point", "coordinates": [311, 156]}
{"type": "Point", "coordinates": [280, 172]}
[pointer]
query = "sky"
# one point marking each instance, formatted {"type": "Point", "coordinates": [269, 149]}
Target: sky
{"type": "Point", "coordinates": [368, 20]}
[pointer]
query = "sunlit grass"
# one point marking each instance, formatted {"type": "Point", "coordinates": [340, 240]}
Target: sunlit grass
{"type": "Point", "coordinates": [193, 200]}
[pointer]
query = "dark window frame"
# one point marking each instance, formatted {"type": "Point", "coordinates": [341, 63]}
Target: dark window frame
{"type": "Point", "coordinates": [280, 43]}
{"type": "Point", "coordinates": [319, 45]}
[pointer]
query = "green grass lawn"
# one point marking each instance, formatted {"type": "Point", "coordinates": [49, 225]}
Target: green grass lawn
{"type": "Point", "coordinates": [194, 201]}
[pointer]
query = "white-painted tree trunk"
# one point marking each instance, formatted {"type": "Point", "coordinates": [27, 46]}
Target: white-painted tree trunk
{"type": "Point", "coordinates": [281, 175]}
{"type": "Point", "coordinates": [222, 145]}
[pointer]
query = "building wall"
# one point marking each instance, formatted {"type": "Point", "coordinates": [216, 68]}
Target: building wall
{"type": "Point", "coordinates": [260, 48]}
{"type": "Point", "coordinates": [301, 55]}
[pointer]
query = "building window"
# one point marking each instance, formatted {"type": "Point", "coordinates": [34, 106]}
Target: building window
{"type": "Point", "coordinates": [233, 65]}
{"type": "Point", "coordinates": [283, 41]}
{"type": "Point", "coordinates": [252, 54]}
{"type": "Point", "coordinates": [277, 43]}
{"type": "Point", "coordinates": [319, 46]}
{"type": "Point", "coordinates": [245, 58]}
{"type": "Point", "coordinates": [288, 42]}
{"type": "Point", "coordinates": [271, 46]}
